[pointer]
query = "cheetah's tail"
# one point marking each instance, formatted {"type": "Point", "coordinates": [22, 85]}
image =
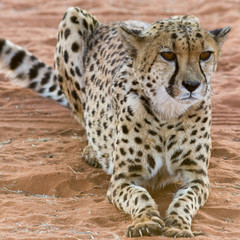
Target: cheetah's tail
{"type": "Point", "coordinates": [24, 69]}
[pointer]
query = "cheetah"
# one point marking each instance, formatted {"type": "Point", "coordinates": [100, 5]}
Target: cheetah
{"type": "Point", "coordinates": [143, 93]}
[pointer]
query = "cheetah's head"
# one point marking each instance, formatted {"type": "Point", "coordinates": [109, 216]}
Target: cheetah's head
{"type": "Point", "coordinates": [174, 60]}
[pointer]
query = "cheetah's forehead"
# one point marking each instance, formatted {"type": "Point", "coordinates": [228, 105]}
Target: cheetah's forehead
{"type": "Point", "coordinates": [181, 34]}
{"type": "Point", "coordinates": [172, 25]}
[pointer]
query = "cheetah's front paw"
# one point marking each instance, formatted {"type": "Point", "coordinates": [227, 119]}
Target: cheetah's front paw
{"type": "Point", "coordinates": [176, 233]}
{"type": "Point", "coordinates": [146, 226]}
{"type": "Point", "coordinates": [89, 157]}
{"type": "Point", "coordinates": [174, 227]}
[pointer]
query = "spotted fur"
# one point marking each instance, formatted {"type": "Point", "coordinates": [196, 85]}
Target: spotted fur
{"type": "Point", "coordinates": [24, 69]}
{"type": "Point", "coordinates": [143, 94]}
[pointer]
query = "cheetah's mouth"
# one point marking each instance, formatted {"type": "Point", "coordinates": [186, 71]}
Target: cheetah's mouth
{"type": "Point", "coordinates": [189, 97]}
{"type": "Point", "coordinates": [167, 107]}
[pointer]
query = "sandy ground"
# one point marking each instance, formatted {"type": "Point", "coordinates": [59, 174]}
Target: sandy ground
{"type": "Point", "coordinates": [46, 190]}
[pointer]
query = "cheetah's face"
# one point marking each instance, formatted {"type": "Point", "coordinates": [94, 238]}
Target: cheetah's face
{"type": "Point", "coordinates": [174, 61]}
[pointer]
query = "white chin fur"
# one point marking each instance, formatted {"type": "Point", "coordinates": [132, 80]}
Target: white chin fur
{"type": "Point", "coordinates": [167, 108]}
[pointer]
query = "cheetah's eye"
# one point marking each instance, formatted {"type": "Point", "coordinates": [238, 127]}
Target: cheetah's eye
{"type": "Point", "coordinates": [168, 56]}
{"type": "Point", "coordinates": [204, 56]}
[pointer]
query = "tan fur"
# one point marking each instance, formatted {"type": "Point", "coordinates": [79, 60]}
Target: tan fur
{"type": "Point", "coordinates": [143, 94]}
{"type": "Point", "coordinates": [146, 123]}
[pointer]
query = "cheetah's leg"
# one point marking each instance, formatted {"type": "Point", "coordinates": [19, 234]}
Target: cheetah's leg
{"type": "Point", "coordinates": [124, 191]}
{"type": "Point", "coordinates": [188, 199]}
{"type": "Point", "coordinates": [75, 29]}
{"type": "Point", "coordinates": [137, 202]}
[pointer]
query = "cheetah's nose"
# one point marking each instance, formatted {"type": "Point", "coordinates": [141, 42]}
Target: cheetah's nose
{"type": "Point", "coordinates": [191, 85]}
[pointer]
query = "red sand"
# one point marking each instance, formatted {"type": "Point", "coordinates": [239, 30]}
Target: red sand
{"type": "Point", "coordinates": [46, 190]}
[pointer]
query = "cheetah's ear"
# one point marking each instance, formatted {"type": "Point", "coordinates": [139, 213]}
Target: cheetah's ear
{"type": "Point", "coordinates": [220, 35]}
{"type": "Point", "coordinates": [132, 39]}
